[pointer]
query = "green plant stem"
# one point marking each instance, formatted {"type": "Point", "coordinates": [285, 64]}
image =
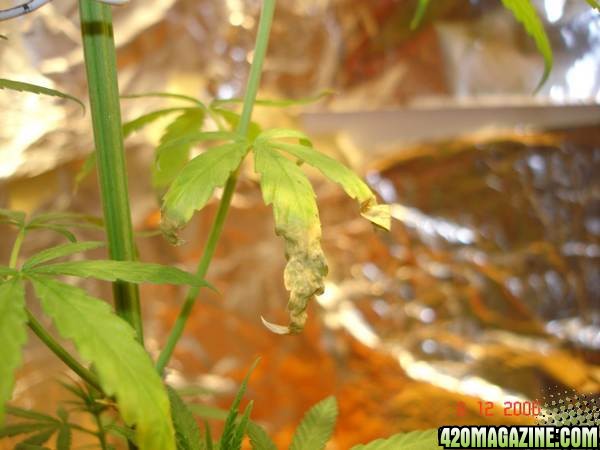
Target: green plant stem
{"type": "Point", "coordinates": [14, 254]}
{"type": "Point", "coordinates": [101, 434]}
{"type": "Point", "coordinates": [100, 63]}
{"type": "Point", "coordinates": [260, 50]}
{"type": "Point", "coordinates": [60, 351]}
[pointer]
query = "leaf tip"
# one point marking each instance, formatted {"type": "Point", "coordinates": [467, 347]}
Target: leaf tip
{"type": "Point", "coordinates": [379, 215]}
{"type": "Point", "coordinates": [274, 328]}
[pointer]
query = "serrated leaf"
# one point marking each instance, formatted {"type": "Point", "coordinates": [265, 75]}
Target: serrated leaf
{"type": "Point", "coordinates": [242, 426]}
{"type": "Point", "coordinates": [13, 335]}
{"type": "Point", "coordinates": [419, 14]}
{"type": "Point", "coordinates": [525, 12]}
{"type": "Point", "coordinates": [297, 221]}
{"type": "Point", "coordinates": [316, 427]}
{"type": "Point", "coordinates": [24, 428]}
{"type": "Point", "coordinates": [170, 160]}
{"type": "Point", "coordinates": [259, 439]}
{"type": "Point", "coordinates": [124, 368]}
{"type": "Point", "coordinates": [35, 89]}
{"type": "Point", "coordinates": [414, 440]}
{"type": "Point", "coordinates": [63, 439]}
{"type": "Point", "coordinates": [195, 184]}
{"type": "Point", "coordinates": [30, 414]}
{"type": "Point", "coordinates": [60, 251]}
{"type": "Point", "coordinates": [338, 173]}
{"type": "Point", "coordinates": [187, 433]}
{"type": "Point", "coordinates": [37, 439]}
{"type": "Point", "coordinates": [229, 428]}
{"type": "Point", "coordinates": [129, 271]}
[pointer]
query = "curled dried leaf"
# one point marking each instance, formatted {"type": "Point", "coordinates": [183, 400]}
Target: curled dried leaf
{"type": "Point", "coordinates": [297, 221]}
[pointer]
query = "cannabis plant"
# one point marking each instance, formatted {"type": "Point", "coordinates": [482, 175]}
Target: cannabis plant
{"type": "Point", "coordinates": [118, 385]}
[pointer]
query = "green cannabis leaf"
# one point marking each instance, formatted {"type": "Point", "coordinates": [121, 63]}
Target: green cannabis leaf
{"type": "Point", "coordinates": [296, 215]}
{"type": "Point", "coordinates": [297, 221]}
{"type": "Point", "coordinates": [332, 169]}
{"type": "Point", "coordinates": [525, 13]}
{"type": "Point", "coordinates": [419, 14]}
{"type": "Point", "coordinates": [316, 427]}
{"type": "Point", "coordinates": [13, 336]}
{"type": "Point", "coordinates": [231, 429]}
{"type": "Point", "coordinates": [195, 184]}
{"type": "Point", "coordinates": [414, 440]}
{"type": "Point", "coordinates": [259, 439]}
{"type": "Point", "coordinates": [168, 163]}
{"type": "Point", "coordinates": [60, 251]}
{"type": "Point", "coordinates": [35, 89]}
{"type": "Point", "coordinates": [594, 4]}
{"type": "Point", "coordinates": [240, 431]}
{"type": "Point", "coordinates": [187, 433]}
{"type": "Point", "coordinates": [123, 367]}
{"type": "Point", "coordinates": [129, 271]}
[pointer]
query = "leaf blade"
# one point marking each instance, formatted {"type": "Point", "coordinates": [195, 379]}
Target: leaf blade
{"type": "Point", "coordinates": [129, 271]}
{"type": "Point", "coordinates": [316, 427]}
{"type": "Point", "coordinates": [259, 439]}
{"type": "Point", "coordinates": [414, 440]}
{"type": "Point", "coordinates": [195, 184]}
{"type": "Point", "coordinates": [13, 336]}
{"type": "Point", "coordinates": [525, 13]}
{"type": "Point", "coordinates": [167, 164]}
{"type": "Point", "coordinates": [187, 433]}
{"type": "Point", "coordinates": [124, 369]}
{"type": "Point", "coordinates": [338, 173]}
{"type": "Point", "coordinates": [61, 251]}
{"type": "Point", "coordinates": [21, 86]}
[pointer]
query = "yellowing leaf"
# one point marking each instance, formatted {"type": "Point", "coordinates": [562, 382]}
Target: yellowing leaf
{"type": "Point", "coordinates": [296, 220]}
{"type": "Point", "coordinates": [335, 171]}
{"type": "Point", "coordinates": [124, 368]}
{"type": "Point", "coordinates": [169, 161]}
{"type": "Point", "coordinates": [195, 184]}
{"type": "Point", "coordinates": [13, 335]}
